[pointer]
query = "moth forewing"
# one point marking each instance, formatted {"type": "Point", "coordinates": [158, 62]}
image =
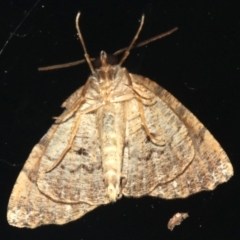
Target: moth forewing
{"type": "Point", "coordinates": [209, 166]}
{"type": "Point", "coordinates": [121, 134]}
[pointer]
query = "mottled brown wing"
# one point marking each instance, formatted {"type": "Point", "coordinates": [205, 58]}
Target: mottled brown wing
{"type": "Point", "coordinates": [28, 207]}
{"type": "Point", "coordinates": [78, 177]}
{"type": "Point", "coordinates": [69, 102]}
{"type": "Point", "coordinates": [149, 163]}
{"type": "Point", "coordinates": [191, 160]}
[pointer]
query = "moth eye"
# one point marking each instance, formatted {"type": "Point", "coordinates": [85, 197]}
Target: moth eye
{"type": "Point", "coordinates": [97, 63]}
{"type": "Point", "coordinates": [112, 59]}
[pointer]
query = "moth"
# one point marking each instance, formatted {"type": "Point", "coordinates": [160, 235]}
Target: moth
{"type": "Point", "coordinates": [176, 220]}
{"type": "Point", "coordinates": [121, 134]}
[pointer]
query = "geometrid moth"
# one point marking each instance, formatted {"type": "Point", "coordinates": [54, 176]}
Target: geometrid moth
{"type": "Point", "coordinates": [120, 135]}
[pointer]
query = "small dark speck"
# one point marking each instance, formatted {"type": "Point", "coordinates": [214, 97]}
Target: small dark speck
{"type": "Point", "coordinates": [82, 151]}
{"type": "Point", "coordinates": [148, 139]}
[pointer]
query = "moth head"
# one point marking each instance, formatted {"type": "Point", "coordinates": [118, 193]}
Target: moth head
{"type": "Point", "coordinates": [106, 68]}
{"type": "Point", "coordinates": [105, 60]}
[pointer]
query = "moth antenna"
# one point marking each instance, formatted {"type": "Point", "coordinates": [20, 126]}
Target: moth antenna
{"type": "Point", "coordinates": [162, 35]}
{"type": "Point", "coordinates": [71, 64]}
{"type": "Point", "coordinates": [126, 53]}
{"type": "Point", "coordinates": [63, 65]}
{"type": "Point", "coordinates": [83, 44]}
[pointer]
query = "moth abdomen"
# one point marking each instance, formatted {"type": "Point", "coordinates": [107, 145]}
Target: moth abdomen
{"type": "Point", "coordinates": [111, 120]}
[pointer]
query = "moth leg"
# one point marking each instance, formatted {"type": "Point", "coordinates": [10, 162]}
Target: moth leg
{"type": "Point", "coordinates": [74, 132]}
{"type": "Point", "coordinates": [157, 141]}
{"type": "Point", "coordinates": [130, 85]}
{"type": "Point", "coordinates": [141, 111]}
{"type": "Point", "coordinates": [122, 98]}
{"type": "Point", "coordinates": [44, 142]}
{"type": "Point", "coordinates": [74, 108]}
{"type": "Point", "coordinates": [69, 112]}
{"type": "Point", "coordinates": [139, 95]}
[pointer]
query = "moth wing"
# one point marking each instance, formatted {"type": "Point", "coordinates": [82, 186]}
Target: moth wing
{"type": "Point", "coordinates": [28, 207]}
{"type": "Point", "coordinates": [150, 162]}
{"type": "Point", "coordinates": [74, 187]}
{"type": "Point", "coordinates": [69, 102]}
{"type": "Point", "coordinates": [197, 161]}
{"type": "Point", "coordinates": [78, 177]}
